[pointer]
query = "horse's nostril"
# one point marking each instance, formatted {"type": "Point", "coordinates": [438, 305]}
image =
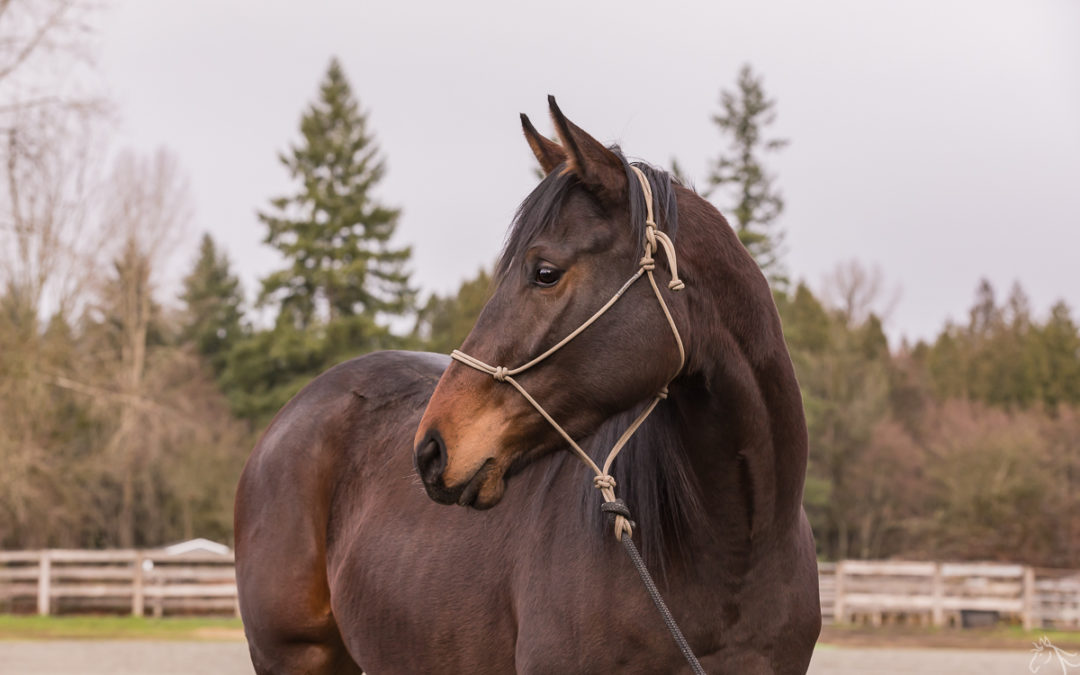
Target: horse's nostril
{"type": "Point", "coordinates": [431, 459]}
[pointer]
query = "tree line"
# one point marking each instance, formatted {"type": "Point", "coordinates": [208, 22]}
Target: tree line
{"type": "Point", "coordinates": [129, 413]}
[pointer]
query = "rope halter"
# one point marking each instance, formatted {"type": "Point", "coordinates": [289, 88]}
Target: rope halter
{"type": "Point", "coordinates": [603, 481]}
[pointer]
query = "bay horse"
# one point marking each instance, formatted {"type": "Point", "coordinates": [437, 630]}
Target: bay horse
{"type": "Point", "coordinates": [347, 560]}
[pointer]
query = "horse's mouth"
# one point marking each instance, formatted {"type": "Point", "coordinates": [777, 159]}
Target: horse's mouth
{"type": "Point", "coordinates": [471, 491]}
{"type": "Point", "coordinates": [482, 491]}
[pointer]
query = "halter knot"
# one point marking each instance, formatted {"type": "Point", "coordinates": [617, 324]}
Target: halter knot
{"type": "Point", "coordinates": [619, 515]}
{"type": "Point", "coordinates": [604, 481]}
{"type": "Point", "coordinates": [616, 507]}
{"type": "Point", "coordinates": [654, 240]}
{"type": "Point", "coordinates": [500, 373]}
{"type": "Point", "coordinates": [650, 237]}
{"type": "Point", "coordinates": [662, 394]}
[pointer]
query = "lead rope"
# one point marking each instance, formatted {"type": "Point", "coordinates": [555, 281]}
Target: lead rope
{"type": "Point", "coordinates": [616, 509]}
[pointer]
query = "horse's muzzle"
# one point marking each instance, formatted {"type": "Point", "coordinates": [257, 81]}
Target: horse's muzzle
{"type": "Point", "coordinates": [430, 460]}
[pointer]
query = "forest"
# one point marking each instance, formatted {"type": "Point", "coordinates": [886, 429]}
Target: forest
{"type": "Point", "coordinates": [129, 405]}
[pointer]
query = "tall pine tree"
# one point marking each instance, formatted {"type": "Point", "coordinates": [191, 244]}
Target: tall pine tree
{"type": "Point", "coordinates": [1058, 347]}
{"type": "Point", "coordinates": [343, 282]}
{"type": "Point", "coordinates": [213, 305]}
{"type": "Point", "coordinates": [332, 231]}
{"type": "Point", "coordinates": [739, 172]}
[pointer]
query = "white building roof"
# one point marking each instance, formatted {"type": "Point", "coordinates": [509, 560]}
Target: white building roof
{"type": "Point", "coordinates": [200, 544]}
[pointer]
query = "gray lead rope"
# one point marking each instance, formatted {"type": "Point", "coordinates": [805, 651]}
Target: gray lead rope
{"type": "Point", "coordinates": [618, 507]}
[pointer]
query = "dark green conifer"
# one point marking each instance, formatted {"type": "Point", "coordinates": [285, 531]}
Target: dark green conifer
{"type": "Point", "coordinates": [213, 305]}
{"type": "Point", "coordinates": [332, 231]}
{"type": "Point", "coordinates": [752, 201]}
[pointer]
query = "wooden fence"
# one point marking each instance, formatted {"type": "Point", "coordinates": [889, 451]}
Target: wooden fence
{"type": "Point", "coordinates": [139, 582]}
{"type": "Point", "coordinates": [948, 594]}
{"type": "Point", "coordinates": [871, 591]}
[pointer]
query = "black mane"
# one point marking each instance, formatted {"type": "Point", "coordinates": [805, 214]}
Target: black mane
{"type": "Point", "coordinates": [654, 478]}
{"type": "Point", "coordinates": [652, 472]}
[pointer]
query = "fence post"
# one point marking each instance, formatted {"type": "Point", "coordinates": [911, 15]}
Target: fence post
{"type": "Point", "coordinates": [159, 596]}
{"type": "Point", "coordinates": [44, 582]}
{"type": "Point", "coordinates": [838, 593]}
{"type": "Point", "coordinates": [138, 585]}
{"type": "Point", "coordinates": [1028, 616]}
{"type": "Point", "coordinates": [937, 609]}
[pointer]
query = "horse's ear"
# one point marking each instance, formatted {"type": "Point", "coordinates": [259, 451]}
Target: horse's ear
{"type": "Point", "coordinates": [598, 168]}
{"type": "Point", "coordinates": [549, 153]}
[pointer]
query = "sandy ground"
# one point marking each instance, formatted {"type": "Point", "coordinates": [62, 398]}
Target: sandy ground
{"type": "Point", "coordinates": [869, 660]}
{"type": "Point", "coordinates": [123, 657]}
{"type": "Point", "coordinates": [63, 657]}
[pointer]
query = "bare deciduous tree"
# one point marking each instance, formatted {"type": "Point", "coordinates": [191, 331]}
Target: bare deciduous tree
{"type": "Point", "coordinates": [146, 214]}
{"type": "Point", "coordinates": [45, 160]}
{"type": "Point", "coordinates": [48, 124]}
{"type": "Point", "coordinates": [857, 291]}
{"type": "Point", "coordinates": [45, 52]}
{"type": "Point", "coordinates": [46, 205]}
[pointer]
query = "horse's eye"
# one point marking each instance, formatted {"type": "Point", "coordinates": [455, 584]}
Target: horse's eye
{"type": "Point", "coordinates": [547, 275]}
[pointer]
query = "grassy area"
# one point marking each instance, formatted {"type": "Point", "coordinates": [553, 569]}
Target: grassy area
{"type": "Point", "coordinates": [17, 627]}
{"type": "Point", "coordinates": [998, 637]}
{"type": "Point", "coordinates": [20, 627]}
{"type": "Point", "coordinates": [1060, 638]}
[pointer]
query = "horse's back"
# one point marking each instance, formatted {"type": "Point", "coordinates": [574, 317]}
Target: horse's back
{"type": "Point", "coordinates": [284, 502]}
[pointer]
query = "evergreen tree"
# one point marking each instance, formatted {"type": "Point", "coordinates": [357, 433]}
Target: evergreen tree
{"type": "Point", "coordinates": [332, 231]}
{"type": "Point", "coordinates": [843, 372]}
{"type": "Point", "coordinates": [947, 363]}
{"type": "Point", "coordinates": [1006, 358]}
{"type": "Point", "coordinates": [343, 280]}
{"type": "Point", "coordinates": [678, 174]}
{"type": "Point", "coordinates": [444, 322]}
{"type": "Point", "coordinates": [807, 324]}
{"type": "Point", "coordinates": [213, 303]}
{"type": "Point", "coordinates": [984, 314]}
{"type": "Point", "coordinates": [1058, 363]}
{"type": "Point", "coordinates": [740, 173]}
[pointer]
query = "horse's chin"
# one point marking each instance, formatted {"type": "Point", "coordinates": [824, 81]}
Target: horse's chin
{"type": "Point", "coordinates": [481, 491]}
{"type": "Point", "coordinates": [484, 491]}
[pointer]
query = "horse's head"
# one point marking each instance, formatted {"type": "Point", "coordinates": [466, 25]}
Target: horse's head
{"type": "Point", "coordinates": [576, 240]}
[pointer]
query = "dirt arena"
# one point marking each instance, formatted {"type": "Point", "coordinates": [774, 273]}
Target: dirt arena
{"type": "Point", "coordinates": [230, 658]}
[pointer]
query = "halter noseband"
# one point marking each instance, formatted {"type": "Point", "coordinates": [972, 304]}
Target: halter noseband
{"type": "Point", "coordinates": [654, 240]}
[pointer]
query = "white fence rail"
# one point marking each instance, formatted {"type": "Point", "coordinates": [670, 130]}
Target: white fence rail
{"type": "Point", "coordinates": [142, 582]}
{"type": "Point", "coordinates": [872, 591]}
{"type": "Point", "coordinates": [948, 594]}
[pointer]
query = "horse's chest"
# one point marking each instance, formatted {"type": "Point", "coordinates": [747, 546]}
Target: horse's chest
{"type": "Point", "coordinates": [422, 603]}
{"type": "Point", "coordinates": [419, 587]}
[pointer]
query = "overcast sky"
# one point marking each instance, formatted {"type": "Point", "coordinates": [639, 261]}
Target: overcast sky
{"type": "Point", "coordinates": [939, 140]}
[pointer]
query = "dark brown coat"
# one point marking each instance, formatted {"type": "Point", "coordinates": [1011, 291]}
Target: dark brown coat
{"type": "Point", "coordinates": [342, 559]}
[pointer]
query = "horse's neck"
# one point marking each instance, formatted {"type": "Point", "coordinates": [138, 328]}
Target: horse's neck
{"type": "Point", "coordinates": [742, 417]}
{"type": "Point", "coordinates": [745, 437]}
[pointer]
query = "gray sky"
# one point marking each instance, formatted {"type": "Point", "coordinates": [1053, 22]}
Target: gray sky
{"type": "Point", "coordinates": [939, 140]}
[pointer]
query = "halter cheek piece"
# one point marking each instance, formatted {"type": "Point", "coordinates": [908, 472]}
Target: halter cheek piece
{"type": "Point", "coordinates": [603, 481]}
